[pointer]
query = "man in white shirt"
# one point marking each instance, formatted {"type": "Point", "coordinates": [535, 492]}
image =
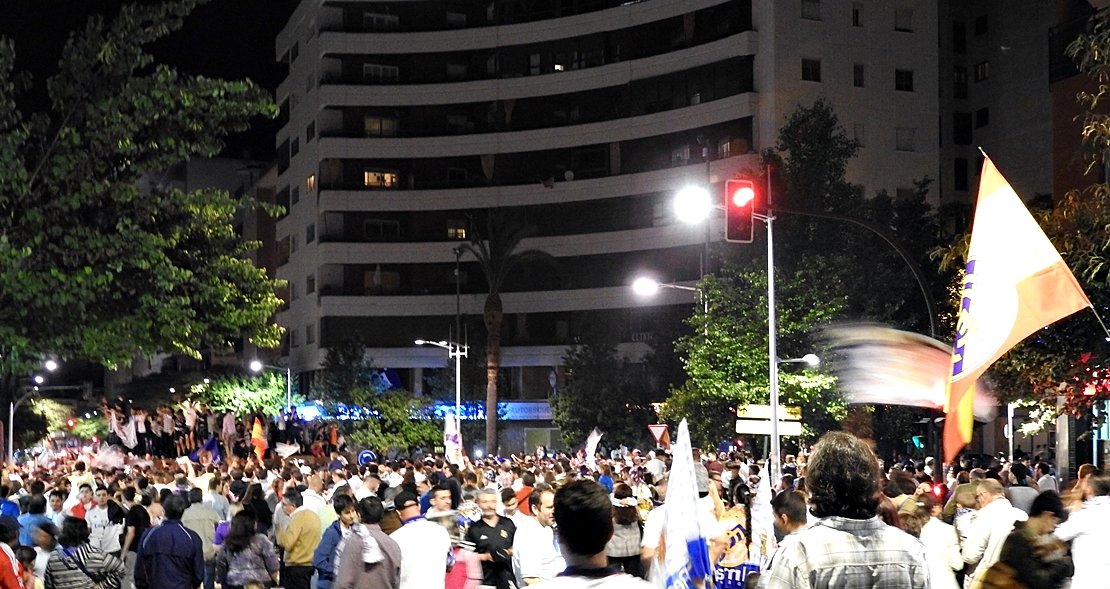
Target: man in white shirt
{"type": "Point", "coordinates": [535, 557]}
{"type": "Point", "coordinates": [1045, 480]}
{"type": "Point", "coordinates": [989, 528]}
{"type": "Point", "coordinates": [368, 488]}
{"type": "Point", "coordinates": [425, 547]}
{"type": "Point", "coordinates": [655, 466]}
{"type": "Point", "coordinates": [103, 532]}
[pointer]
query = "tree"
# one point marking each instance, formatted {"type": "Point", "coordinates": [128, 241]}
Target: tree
{"type": "Point", "coordinates": [602, 392]}
{"type": "Point", "coordinates": [345, 369]}
{"type": "Point", "coordinates": [90, 266]}
{"type": "Point", "coordinates": [264, 394]}
{"type": "Point", "coordinates": [497, 254]}
{"type": "Point", "coordinates": [726, 357]}
{"type": "Point", "coordinates": [398, 420]}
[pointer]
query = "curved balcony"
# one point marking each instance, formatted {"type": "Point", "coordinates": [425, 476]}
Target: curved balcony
{"type": "Point", "coordinates": [552, 301]}
{"type": "Point", "coordinates": [518, 34]}
{"type": "Point", "coordinates": [717, 111]}
{"type": "Point", "coordinates": [559, 246]}
{"type": "Point", "coordinates": [615, 74]}
{"type": "Point", "coordinates": [535, 194]}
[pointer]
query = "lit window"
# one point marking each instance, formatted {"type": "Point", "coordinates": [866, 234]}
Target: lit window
{"type": "Point", "coordinates": [456, 229]}
{"type": "Point", "coordinates": [310, 183]}
{"type": "Point", "coordinates": [379, 179]}
{"type": "Point", "coordinates": [724, 148]}
{"type": "Point", "coordinates": [381, 74]}
{"type": "Point", "coordinates": [380, 126]}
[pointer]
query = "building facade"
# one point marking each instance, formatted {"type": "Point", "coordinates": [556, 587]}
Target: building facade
{"type": "Point", "coordinates": [405, 123]}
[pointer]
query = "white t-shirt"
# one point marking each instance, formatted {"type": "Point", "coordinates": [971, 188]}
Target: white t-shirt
{"type": "Point", "coordinates": [103, 534]}
{"type": "Point", "coordinates": [424, 549]}
{"type": "Point", "coordinates": [229, 424]}
{"type": "Point", "coordinates": [535, 554]}
{"type": "Point", "coordinates": [656, 467]}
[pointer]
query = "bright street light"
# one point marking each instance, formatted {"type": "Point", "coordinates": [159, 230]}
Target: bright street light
{"type": "Point", "coordinates": [692, 204]}
{"type": "Point", "coordinates": [256, 366]}
{"type": "Point", "coordinates": [39, 379]}
{"type": "Point", "coordinates": [645, 287]}
{"type": "Point", "coordinates": [50, 365]}
{"type": "Point", "coordinates": [809, 359]}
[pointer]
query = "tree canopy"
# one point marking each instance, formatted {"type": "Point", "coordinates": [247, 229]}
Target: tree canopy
{"type": "Point", "coordinates": [90, 265]}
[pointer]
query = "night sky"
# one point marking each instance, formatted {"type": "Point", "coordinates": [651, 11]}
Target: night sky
{"type": "Point", "coordinates": [229, 39]}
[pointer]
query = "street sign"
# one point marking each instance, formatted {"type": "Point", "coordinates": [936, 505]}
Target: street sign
{"type": "Point", "coordinates": [366, 457]}
{"type": "Point", "coordinates": [764, 412]}
{"type": "Point", "coordinates": [658, 430]}
{"type": "Point", "coordinates": [763, 427]}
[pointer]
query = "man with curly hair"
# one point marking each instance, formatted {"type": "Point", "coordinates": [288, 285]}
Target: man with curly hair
{"type": "Point", "coordinates": [849, 546]}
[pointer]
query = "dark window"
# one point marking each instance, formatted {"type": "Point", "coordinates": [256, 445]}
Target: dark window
{"type": "Point", "coordinates": [903, 80]}
{"type": "Point", "coordinates": [903, 21]}
{"type": "Point", "coordinates": [982, 71]}
{"type": "Point", "coordinates": [310, 284]}
{"type": "Point", "coordinates": [294, 147]}
{"type": "Point", "coordinates": [811, 70]}
{"type": "Point", "coordinates": [857, 15]}
{"type": "Point", "coordinates": [959, 89]}
{"type": "Point", "coordinates": [981, 25]}
{"type": "Point", "coordinates": [982, 117]}
{"type": "Point", "coordinates": [961, 173]}
{"type": "Point", "coordinates": [294, 51]}
{"type": "Point", "coordinates": [961, 128]}
{"type": "Point", "coordinates": [811, 9]}
{"type": "Point", "coordinates": [310, 132]}
{"type": "Point", "coordinates": [310, 233]}
{"type": "Point", "coordinates": [959, 37]}
{"type": "Point", "coordinates": [294, 195]}
{"type": "Point", "coordinates": [857, 75]}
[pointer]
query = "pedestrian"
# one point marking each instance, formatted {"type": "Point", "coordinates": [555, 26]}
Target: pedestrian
{"type": "Point", "coordinates": [32, 520]}
{"type": "Point", "coordinates": [942, 545]}
{"type": "Point", "coordinates": [849, 546]}
{"type": "Point", "coordinates": [10, 577]}
{"type": "Point", "coordinates": [425, 546]}
{"type": "Point", "coordinates": [136, 522]}
{"type": "Point", "coordinates": [1045, 480]}
{"type": "Point", "coordinates": [492, 537]}
{"type": "Point", "coordinates": [76, 564]}
{"type": "Point", "coordinates": [989, 528]}
{"type": "Point", "coordinates": [324, 556]}
{"type": "Point", "coordinates": [535, 558]}
{"type": "Point", "coordinates": [1037, 559]}
{"type": "Point", "coordinates": [246, 557]}
{"type": "Point", "coordinates": [583, 512]}
{"type": "Point", "coordinates": [203, 520]}
{"type": "Point", "coordinates": [1088, 530]}
{"type": "Point", "coordinates": [359, 565]}
{"type": "Point", "coordinates": [170, 556]}
{"type": "Point", "coordinates": [299, 538]}
{"type": "Point", "coordinates": [1021, 491]}
{"type": "Point", "coordinates": [105, 520]}
{"type": "Point", "coordinates": [623, 548]}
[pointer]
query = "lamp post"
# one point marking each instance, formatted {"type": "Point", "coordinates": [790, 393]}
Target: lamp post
{"type": "Point", "coordinates": [15, 404]}
{"type": "Point", "coordinates": [257, 366]}
{"type": "Point", "coordinates": [458, 352]}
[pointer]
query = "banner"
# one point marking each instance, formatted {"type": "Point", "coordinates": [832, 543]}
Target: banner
{"type": "Point", "coordinates": [452, 440]}
{"type": "Point", "coordinates": [258, 440]}
{"type": "Point", "coordinates": [1015, 283]}
{"type": "Point", "coordinates": [591, 448]}
{"type": "Point", "coordinates": [211, 446]}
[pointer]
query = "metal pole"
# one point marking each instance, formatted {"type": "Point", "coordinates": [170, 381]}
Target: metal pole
{"type": "Point", "coordinates": [1010, 426]}
{"type": "Point", "coordinates": [288, 390]}
{"type": "Point", "coordinates": [773, 366]}
{"type": "Point", "coordinates": [11, 436]}
{"type": "Point", "coordinates": [458, 385]}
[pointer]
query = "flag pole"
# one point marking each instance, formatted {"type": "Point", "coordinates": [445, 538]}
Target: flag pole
{"type": "Point", "coordinates": [1100, 322]}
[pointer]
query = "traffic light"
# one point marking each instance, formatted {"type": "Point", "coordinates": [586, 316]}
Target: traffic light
{"type": "Point", "coordinates": [71, 423]}
{"type": "Point", "coordinates": [739, 201]}
{"type": "Point", "coordinates": [918, 442]}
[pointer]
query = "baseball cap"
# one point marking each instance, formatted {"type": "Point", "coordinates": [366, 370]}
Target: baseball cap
{"type": "Point", "coordinates": [405, 499]}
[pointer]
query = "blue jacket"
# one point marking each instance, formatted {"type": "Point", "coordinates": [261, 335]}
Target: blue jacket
{"type": "Point", "coordinates": [324, 557]}
{"type": "Point", "coordinates": [169, 556]}
{"type": "Point", "coordinates": [9, 508]}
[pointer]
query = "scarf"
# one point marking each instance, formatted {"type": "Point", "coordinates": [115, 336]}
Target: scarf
{"type": "Point", "coordinates": [371, 551]}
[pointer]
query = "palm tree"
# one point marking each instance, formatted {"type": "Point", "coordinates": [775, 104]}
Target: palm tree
{"type": "Point", "coordinates": [496, 253]}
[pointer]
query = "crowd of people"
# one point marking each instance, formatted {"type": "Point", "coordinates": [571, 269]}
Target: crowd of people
{"type": "Point", "coordinates": [836, 518]}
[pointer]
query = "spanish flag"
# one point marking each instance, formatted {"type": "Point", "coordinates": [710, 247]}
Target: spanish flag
{"type": "Point", "coordinates": [1015, 283]}
{"type": "Point", "coordinates": [258, 440]}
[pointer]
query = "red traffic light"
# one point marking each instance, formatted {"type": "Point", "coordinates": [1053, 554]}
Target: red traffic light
{"type": "Point", "coordinates": [71, 423]}
{"type": "Point", "coordinates": [740, 199]}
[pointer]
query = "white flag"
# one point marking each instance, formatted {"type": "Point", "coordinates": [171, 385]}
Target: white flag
{"type": "Point", "coordinates": [591, 448]}
{"type": "Point", "coordinates": [686, 563]}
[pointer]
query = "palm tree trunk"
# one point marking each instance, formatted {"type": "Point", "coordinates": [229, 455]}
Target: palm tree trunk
{"type": "Point", "coordinates": [492, 316]}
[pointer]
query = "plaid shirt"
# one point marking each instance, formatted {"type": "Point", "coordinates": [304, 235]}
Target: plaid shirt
{"type": "Point", "coordinates": [837, 552]}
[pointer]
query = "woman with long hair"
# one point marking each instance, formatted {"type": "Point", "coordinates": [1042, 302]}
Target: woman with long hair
{"type": "Point", "coordinates": [623, 548]}
{"type": "Point", "coordinates": [246, 556]}
{"type": "Point", "coordinates": [254, 502]}
{"type": "Point", "coordinates": [75, 564]}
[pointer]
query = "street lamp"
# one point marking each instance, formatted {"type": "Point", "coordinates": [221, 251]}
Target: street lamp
{"type": "Point", "coordinates": [38, 378]}
{"type": "Point", "coordinates": [458, 352]}
{"type": "Point", "coordinates": [693, 204]}
{"type": "Point", "coordinates": [257, 366]}
{"type": "Point", "coordinates": [809, 359]}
